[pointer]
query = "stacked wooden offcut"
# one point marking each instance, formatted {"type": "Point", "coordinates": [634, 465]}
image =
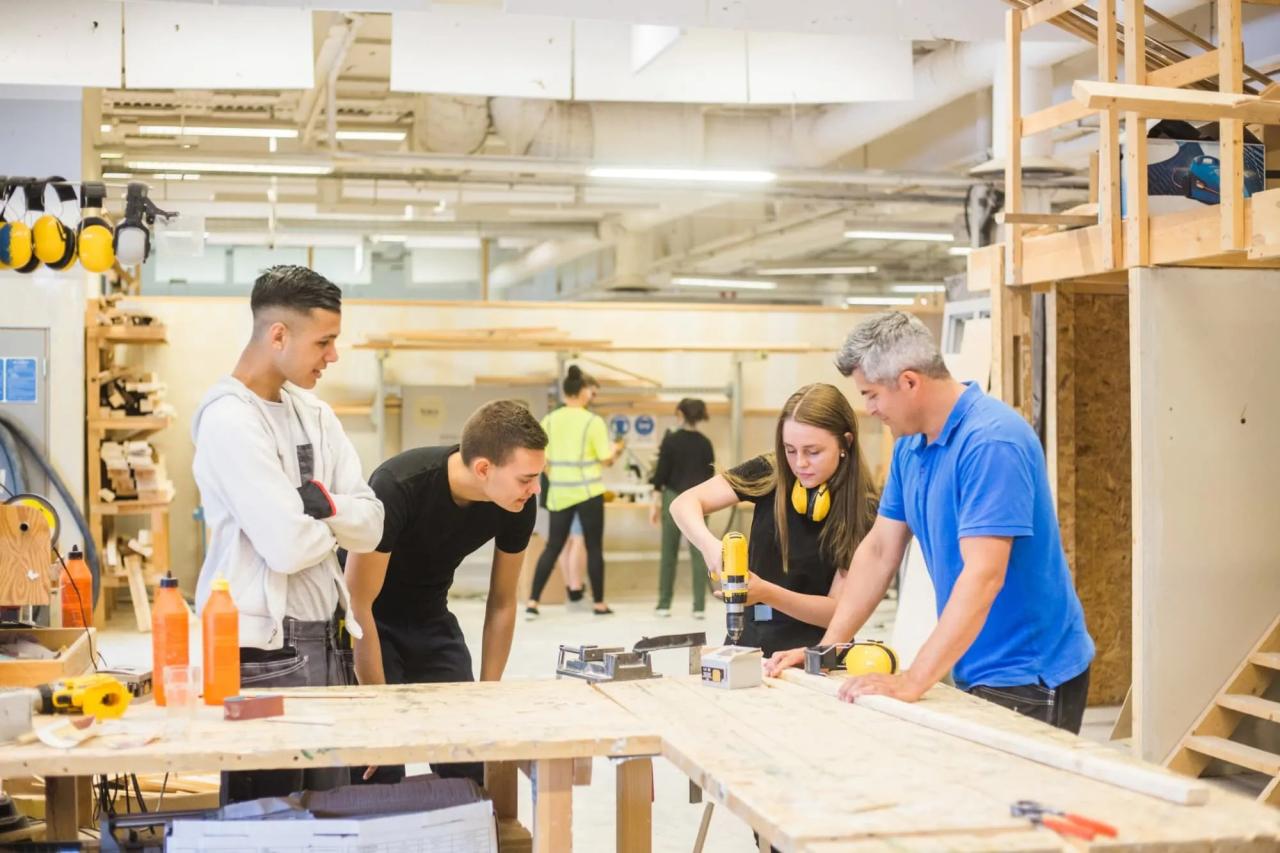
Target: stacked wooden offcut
{"type": "Point", "coordinates": [121, 554]}
{"type": "Point", "coordinates": [133, 470]}
{"type": "Point", "coordinates": [134, 394]}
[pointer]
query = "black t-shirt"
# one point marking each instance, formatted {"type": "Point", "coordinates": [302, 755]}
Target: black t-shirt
{"type": "Point", "coordinates": [428, 535]}
{"type": "Point", "coordinates": [685, 459]}
{"type": "Point", "coordinates": [809, 573]}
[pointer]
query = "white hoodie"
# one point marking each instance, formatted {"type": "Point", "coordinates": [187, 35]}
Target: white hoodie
{"type": "Point", "coordinates": [248, 478]}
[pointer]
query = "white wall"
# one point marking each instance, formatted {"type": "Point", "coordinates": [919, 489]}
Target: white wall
{"type": "Point", "coordinates": [207, 334]}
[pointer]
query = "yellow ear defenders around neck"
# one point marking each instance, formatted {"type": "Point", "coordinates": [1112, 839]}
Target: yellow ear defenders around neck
{"type": "Point", "coordinates": [15, 236]}
{"type": "Point", "coordinates": [93, 235]}
{"type": "Point", "coordinates": [813, 504]}
{"type": "Point", "coordinates": [55, 243]}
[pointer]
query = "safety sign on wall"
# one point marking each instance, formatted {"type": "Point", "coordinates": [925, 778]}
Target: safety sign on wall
{"type": "Point", "coordinates": [18, 380]}
{"type": "Point", "coordinates": [619, 426]}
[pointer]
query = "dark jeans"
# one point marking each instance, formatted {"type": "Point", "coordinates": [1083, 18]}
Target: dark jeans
{"type": "Point", "coordinates": [310, 657]}
{"type": "Point", "coordinates": [1062, 706]}
{"type": "Point", "coordinates": [430, 651]}
{"type": "Point", "coordinates": [591, 513]}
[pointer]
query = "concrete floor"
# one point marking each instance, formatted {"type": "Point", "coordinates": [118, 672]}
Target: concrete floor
{"type": "Point", "coordinates": [675, 820]}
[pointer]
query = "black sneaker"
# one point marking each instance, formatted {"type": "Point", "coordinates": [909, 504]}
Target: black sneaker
{"type": "Point", "coordinates": [606, 612]}
{"type": "Point", "coordinates": [531, 613]}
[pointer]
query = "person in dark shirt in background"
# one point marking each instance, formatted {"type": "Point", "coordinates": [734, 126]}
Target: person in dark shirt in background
{"type": "Point", "coordinates": [685, 459]}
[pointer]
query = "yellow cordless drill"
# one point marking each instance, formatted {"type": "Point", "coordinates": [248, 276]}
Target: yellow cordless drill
{"type": "Point", "coordinates": [733, 583]}
{"type": "Point", "coordinates": [97, 695]}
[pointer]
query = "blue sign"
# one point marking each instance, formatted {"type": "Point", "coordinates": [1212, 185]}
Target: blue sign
{"type": "Point", "coordinates": [20, 380]}
{"type": "Point", "coordinates": [645, 425]}
{"type": "Point", "coordinates": [620, 425]}
{"type": "Point", "coordinates": [1, 380]}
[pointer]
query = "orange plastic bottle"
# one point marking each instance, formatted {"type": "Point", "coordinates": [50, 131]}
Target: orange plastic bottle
{"type": "Point", "coordinates": [221, 624]}
{"type": "Point", "coordinates": [169, 633]}
{"type": "Point", "coordinates": [77, 591]}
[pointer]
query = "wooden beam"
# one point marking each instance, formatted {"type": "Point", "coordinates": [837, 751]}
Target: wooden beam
{"type": "Point", "coordinates": [1253, 73]}
{"type": "Point", "coordinates": [1109, 141]}
{"type": "Point", "coordinates": [1165, 102]}
{"type": "Point", "coordinates": [1231, 130]}
{"type": "Point", "coordinates": [1013, 139]}
{"type": "Point", "coordinates": [985, 268]}
{"type": "Point", "coordinates": [1265, 242]}
{"type": "Point", "coordinates": [1047, 10]}
{"type": "Point", "coordinates": [1054, 116]}
{"type": "Point", "coordinates": [1199, 67]}
{"type": "Point", "coordinates": [1065, 219]}
{"type": "Point", "coordinates": [1138, 228]}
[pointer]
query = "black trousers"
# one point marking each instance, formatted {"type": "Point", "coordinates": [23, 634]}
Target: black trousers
{"type": "Point", "coordinates": [591, 513]}
{"type": "Point", "coordinates": [311, 657]}
{"type": "Point", "coordinates": [1062, 707]}
{"type": "Point", "coordinates": [428, 651]}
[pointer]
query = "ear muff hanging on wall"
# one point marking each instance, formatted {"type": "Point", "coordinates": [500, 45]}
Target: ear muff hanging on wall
{"type": "Point", "coordinates": [813, 504]}
{"type": "Point", "coordinates": [5, 188]}
{"type": "Point", "coordinates": [16, 249]}
{"type": "Point", "coordinates": [94, 237]}
{"type": "Point", "coordinates": [132, 242]}
{"type": "Point", "coordinates": [55, 242]}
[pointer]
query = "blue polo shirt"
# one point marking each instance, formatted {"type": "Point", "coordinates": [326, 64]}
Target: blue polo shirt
{"type": "Point", "coordinates": [986, 476]}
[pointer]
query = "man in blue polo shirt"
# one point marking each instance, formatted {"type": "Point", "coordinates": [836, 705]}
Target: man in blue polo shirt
{"type": "Point", "coordinates": [968, 479]}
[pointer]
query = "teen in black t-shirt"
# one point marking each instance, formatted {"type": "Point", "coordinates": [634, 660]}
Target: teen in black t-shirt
{"type": "Point", "coordinates": [800, 546]}
{"type": "Point", "coordinates": [442, 504]}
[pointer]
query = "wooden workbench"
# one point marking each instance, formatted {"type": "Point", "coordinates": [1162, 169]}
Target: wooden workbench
{"type": "Point", "coordinates": [548, 724]}
{"type": "Point", "coordinates": [810, 773]}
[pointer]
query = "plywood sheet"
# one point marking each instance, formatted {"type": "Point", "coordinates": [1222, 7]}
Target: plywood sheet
{"type": "Point", "coordinates": [1206, 486]}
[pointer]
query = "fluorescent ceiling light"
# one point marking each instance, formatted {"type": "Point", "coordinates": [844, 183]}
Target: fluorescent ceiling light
{"type": "Point", "coordinates": [960, 251]}
{"type": "Point", "coordinates": [390, 238]}
{"type": "Point", "coordinates": [918, 288]}
{"type": "Point", "coordinates": [104, 128]}
{"type": "Point", "coordinates": [113, 176]}
{"type": "Point", "coordinates": [112, 155]}
{"type": "Point", "coordinates": [863, 270]}
{"type": "Point", "coordinates": [927, 236]}
{"type": "Point", "coordinates": [193, 130]}
{"type": "Point", "coordinates": [372, 135]}
{"type": "Point", "coordinates": [734, 283]}
{"type": "Point", "coordinates": [257, 168]}
{"type": "Point", "coordinates": [879, 300]}
{"type": "Point", "coordinates": [640, 173]}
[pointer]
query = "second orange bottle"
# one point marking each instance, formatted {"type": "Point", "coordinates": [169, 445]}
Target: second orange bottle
{"type": "Point", "coordinates": [221, 642]}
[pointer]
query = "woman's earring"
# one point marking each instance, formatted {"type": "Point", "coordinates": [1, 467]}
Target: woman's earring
{"type": "Point", "coordinates": [843, 454]}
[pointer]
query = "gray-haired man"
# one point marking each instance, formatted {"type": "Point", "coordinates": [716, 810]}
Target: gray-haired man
{"type": "Point", "coordinates": [969, 480]}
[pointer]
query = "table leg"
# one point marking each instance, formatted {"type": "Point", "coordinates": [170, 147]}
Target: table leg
{"type": "Point", "coordinates": [61, 809]}
{"type": "Point", "coordinates": [553, 805]}
{"type": "Point", "coordinates": [500, 782]}
{"type": "Point", "coordinates": [635, 806]}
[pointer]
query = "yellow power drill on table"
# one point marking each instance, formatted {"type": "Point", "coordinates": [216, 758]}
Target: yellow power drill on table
{"type": "Point", "coordinates": [97, 695]}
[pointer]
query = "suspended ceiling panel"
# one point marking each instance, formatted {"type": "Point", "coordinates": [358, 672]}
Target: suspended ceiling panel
{"type": "Point", "coordinates": [61, 43]}
{"type": "Point", "coordinates": [199, 46]}
{"type": "Point", "coordinates": [475, 51]}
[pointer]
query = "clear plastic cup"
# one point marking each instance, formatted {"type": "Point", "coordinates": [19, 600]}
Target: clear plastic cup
{"type": "Point", "coordinates": [182, 695]}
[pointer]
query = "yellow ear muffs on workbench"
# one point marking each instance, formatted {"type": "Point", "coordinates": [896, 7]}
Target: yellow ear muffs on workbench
{"type": "Point", "coordinates": [94, 235]}
{"type": "Point", "coordinates": [813, 504]}
{"type": "Point", "coordinates": [866, 657]}
{"type": "Point", "coordinates": [55, 242]}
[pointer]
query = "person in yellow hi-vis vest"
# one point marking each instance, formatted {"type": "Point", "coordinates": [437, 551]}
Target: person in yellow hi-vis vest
{"type": "Point", "coordinates": [578, 452]}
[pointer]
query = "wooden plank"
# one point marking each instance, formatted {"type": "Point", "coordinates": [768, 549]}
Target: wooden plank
{"type": "Point", "coordinates": [380, 724]}
{"type": "Point", "coordinates": [1067, 220]}
{"type": "Point", "coordinates": [1047, 10]}
{"type": "Point", "coordinates": [1254, 706]}
{"type": "Point", "coordinates": [1165, 102]}
{"type": "Point", "coordinates": [1202, 66]}
{"type": "Point", "coordinates": [911, 785]}
{"type": "Point", "coordinates": [553, 805]}
{"type": "Point", "coordinates": [503, 787]}
{"type": "Point", "coordinates": [635, 806]}
{"type": "Point", "coordinates": [1231, 130]}
{"type": "Point", "coordinates": [138, 593]}
{"type": "Point", "coordinates": [25, 555]}
{"type": "Point", "coordinates": [985, 267]}
{"type": "Point", "coordinates": [1013, 140]}
{"type": "Point", "coordinates": [1265, 226]}
{"type": "Point", "coordinates": [1271, 660]}
{"type": "Point", "coordinates": [1191, 630]}
{"type": "Point", "coordinates": [62, 815]}
{"type": "Point", "coordinates": [1054, 116]}
{"type": "Point", "coordinates": [1138, 227]}
{"type": "Point", "coordinates": [1099, 763]}
{"type": "Point", "coordinates": [1109, 143]}
{"type": "Point", "coordinates": [1237, 753]}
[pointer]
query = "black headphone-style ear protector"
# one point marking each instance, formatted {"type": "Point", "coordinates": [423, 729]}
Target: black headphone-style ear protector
{"type": "Point", "coordinates": [132, 241]}
{"type": "Point", "coordinates": [94, 237]}
{"type": "Point", "coordinates": [55, 241]}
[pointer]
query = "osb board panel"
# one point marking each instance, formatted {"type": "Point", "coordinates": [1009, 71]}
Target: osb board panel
{"type": "Point", "coordinates": [1094, 478]}
{"type": "Point", "coordinates": [1207, 484]}
{"type": "Point", "coordinates": [484, 721]}
{"type": "Point", "coordinates": [805, 769]}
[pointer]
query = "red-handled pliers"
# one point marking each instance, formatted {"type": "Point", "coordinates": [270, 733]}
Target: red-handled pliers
{"type": "Point", "coordinates": [1062, 822]}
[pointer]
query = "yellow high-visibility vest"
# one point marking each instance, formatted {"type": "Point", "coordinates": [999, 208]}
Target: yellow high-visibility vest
{"type": "Point", "coordinates": [577, 441]}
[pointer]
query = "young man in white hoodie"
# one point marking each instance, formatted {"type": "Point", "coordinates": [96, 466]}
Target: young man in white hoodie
{"type": "Point", "coordinates": [282, 489]}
